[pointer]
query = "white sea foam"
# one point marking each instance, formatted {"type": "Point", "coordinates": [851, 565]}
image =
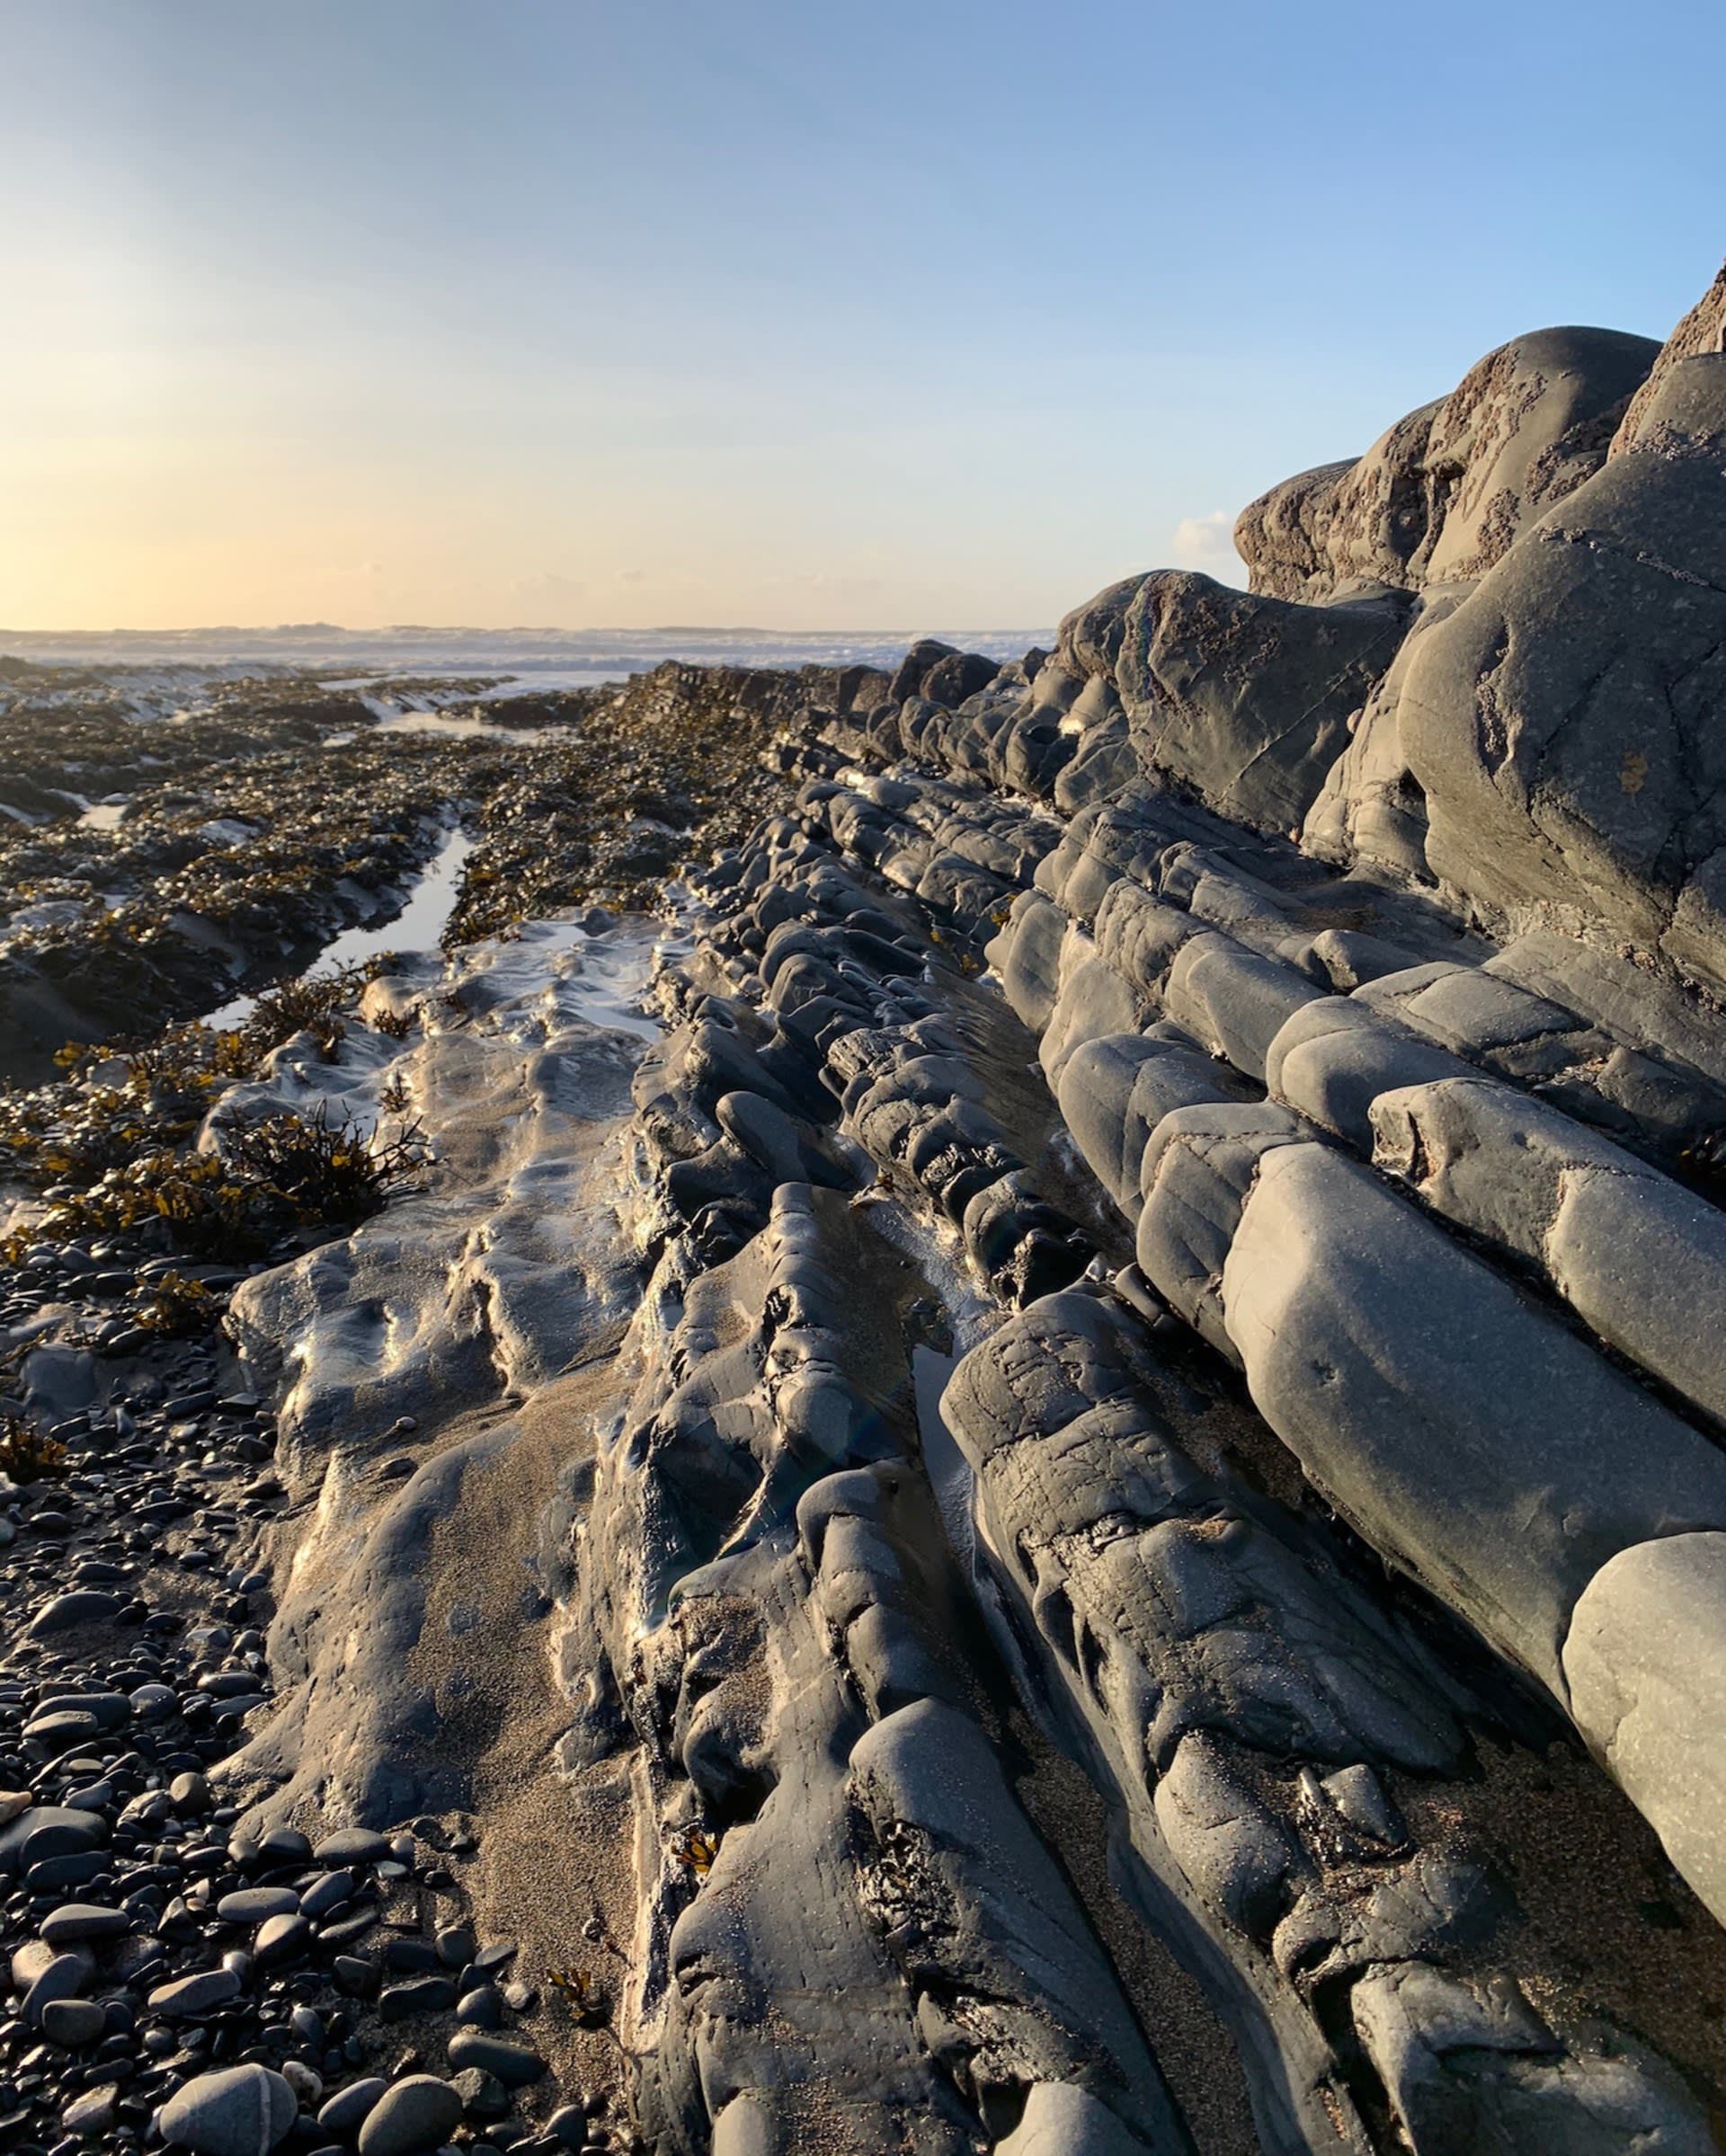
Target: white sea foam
{"type": "Point", "coordinates": [536, 658]}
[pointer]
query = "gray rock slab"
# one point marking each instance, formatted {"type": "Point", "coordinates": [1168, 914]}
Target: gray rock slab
{"type": "Point", "coordinates": [1648, 1690]}
{"type": "Point", "coordinates": [1336, 1055]}
{"type": "Point", "coordinates": [1234, 1001]}
{"type": "Point", "coordinates": [1639, 1256]}
{"type": "Point", "coordinates": [1470, 1437]}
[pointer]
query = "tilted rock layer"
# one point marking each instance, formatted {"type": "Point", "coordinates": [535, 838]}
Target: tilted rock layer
{"type": "Point", "coordinates": [1150, 1573]}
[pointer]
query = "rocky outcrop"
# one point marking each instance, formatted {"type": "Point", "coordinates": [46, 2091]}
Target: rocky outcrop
{"type": "Point", "coordinates": [1702, 330]}
{"type": "Point", "coordinates": [1561, 722]}
{"type": "Point", "coordinates": [1051, 1475]}
{"type": "Point", "coordinates": [1443, 495]}
{"type": "Point", "coordinates": [1247, 700]}
{"type": "Point", "coordinates": [1251, 1712]}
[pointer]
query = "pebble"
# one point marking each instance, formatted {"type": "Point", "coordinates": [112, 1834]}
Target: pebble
{"type": "Point", "coordinates": [306, 2084]}
{"type": "Point", "coordinates": [411, 1956]}
{"type": "Point", "coordinates": [110, 1711]}
{"type": "Point", "coordinates": [82, 1920]}
{"type": "Point", "coordinates": [418, 1995]}
{"type": "Point", "coordinates": [92, 2114]}
{"type": "Point", "coordinates": [64, 1977]}
{"type": "Point", "coordinates": [352, 1845]}
{"type": "Point", "coordinates": [417, 2113]}
{"type": "Point", "coordinates": [359, 1979]}
{"type": "Point", "coordinates": [253, 1904]}
{"type": "Point", "coordinates": [55, 1731]}
{"type": "Point", "coordinates": [482, 2008]}
{"type": "Point", "coordinates": [344, 1933]}
{"type": "Point", "coordinates": [343, 2113]}
{"type": "Point", "coordinates": [47, 1831]}
{"type": "Point", "coordinates": [241, 2111]}
{"type": "Point", "coordinates": [455, 1946]}
{"type": "Point", "coordinates": [189, 1996]}
{"type": "Point", "coordinates": [483, 2095]}
{"type": "Point", "coordinates": [326, 1893]}
{"type": "Point", "coordinates": [515, 2066]}
{"type": "Point", "coordinates": [72, 2023]}
{"type": "Point", "coordinates": [80, 1606]}
{"type": "Point", "coordinates": [30, 1960]}
{"type": "Point", "coordinates": [280, 1939]}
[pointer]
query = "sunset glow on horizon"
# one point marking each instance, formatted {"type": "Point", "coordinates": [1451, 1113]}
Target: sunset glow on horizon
{"type": "Point", "coordinates": [576, 315]}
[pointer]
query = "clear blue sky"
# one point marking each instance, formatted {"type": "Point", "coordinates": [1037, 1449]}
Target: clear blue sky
{"type": "Point", "coordinates": [779, 311]}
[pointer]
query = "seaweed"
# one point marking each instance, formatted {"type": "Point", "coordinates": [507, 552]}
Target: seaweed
{"type": "Point", "coordinates": [262, 1183]}
{"type": "Point", "coordinates": [26, 1455]}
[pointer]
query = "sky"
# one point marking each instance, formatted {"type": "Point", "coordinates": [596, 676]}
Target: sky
{"type": "Point", "coordinates": [791, 312]}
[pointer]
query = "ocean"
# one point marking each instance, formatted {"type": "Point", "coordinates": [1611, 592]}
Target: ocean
{"type": "Point", "coordinates": [533, 658]}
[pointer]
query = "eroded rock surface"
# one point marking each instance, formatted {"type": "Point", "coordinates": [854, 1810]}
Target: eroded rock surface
{"type": "Point", "coordinates": [1044, 1475]}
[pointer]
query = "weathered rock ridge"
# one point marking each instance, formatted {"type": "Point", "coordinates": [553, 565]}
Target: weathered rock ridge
{"type": "Point", "coordinates": [1070, 1498]}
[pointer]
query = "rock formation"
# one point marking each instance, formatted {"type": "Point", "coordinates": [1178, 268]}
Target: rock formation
{"type": "Point", "coordinates": [1070, 1498]}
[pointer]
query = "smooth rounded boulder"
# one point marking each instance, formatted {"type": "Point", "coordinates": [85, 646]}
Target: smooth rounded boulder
{"type": "Point", "coordinates": [241, 2111]}
{"type": "Point", "coordinates": [419, 2112]}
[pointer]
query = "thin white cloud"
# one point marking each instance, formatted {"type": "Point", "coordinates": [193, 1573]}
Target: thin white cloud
{"type": "Point", "coordinates": [1208, 543]}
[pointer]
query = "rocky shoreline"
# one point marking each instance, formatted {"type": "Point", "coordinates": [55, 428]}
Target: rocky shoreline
{"type": "Point", "coordinates": [1037, 1466]}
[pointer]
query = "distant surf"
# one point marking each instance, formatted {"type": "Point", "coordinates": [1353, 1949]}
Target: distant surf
{"type": "Point", "coordinates": [562, 658]}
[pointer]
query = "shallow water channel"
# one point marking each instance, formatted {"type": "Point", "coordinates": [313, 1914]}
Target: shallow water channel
{"type": "Point", "coordinates": [430, 900]}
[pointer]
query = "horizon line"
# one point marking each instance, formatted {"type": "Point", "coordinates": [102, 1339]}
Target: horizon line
{"type": "Point", "coordinates": [470, 629]}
